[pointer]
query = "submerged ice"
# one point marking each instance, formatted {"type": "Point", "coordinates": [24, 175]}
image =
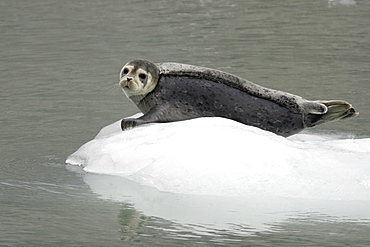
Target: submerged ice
{"type": "Point", "coordinates": [216, 156]}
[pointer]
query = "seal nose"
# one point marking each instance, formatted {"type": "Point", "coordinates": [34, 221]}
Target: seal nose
{"type": "Point", "coordinates": [129, 79]}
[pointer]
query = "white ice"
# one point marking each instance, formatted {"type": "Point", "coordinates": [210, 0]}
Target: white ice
{"type": "Point", "coordinates": [220, 157]}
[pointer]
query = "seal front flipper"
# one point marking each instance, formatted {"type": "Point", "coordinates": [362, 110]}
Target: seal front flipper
{"type": "Point", "coordinates": [155, 115]}
{"type": "Point", "coordinates": [129, 123]}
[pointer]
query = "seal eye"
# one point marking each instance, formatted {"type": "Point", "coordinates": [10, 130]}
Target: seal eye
{"type": "Point", "coordinates": [142, 76]}
{"type": "Point", "coordinates": [125, 71]}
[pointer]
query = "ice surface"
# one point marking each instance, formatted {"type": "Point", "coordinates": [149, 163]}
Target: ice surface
{"type": "Point", "coordinates": [216, 156]}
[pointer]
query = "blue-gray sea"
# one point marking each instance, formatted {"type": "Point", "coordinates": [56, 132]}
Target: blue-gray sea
{"type": "Point", "coordinates": [59, 66]}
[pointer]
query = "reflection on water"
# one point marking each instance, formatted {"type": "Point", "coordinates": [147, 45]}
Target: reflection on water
{"type": "Point", "coordinates": [332, 3]}
{"type": "Point", "coordinates": [309, 230]}
{"type": "Point", "coordinates": [148, 215]}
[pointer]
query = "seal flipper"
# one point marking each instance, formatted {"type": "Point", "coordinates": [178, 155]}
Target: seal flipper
{"type": "Point", "coordinates": [155, 115]}
{"type": "Point", "coordinates": [335, 110]}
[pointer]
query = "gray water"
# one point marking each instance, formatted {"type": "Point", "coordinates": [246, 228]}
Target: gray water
{"type": "Point", "coordinates": [59, 72]}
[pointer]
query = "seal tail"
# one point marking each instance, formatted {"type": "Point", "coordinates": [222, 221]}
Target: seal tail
{"type": "Point", "coordinates": [335, 110]}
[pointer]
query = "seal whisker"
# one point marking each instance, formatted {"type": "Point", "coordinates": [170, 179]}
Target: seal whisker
{"type": "Point", "coordinates": [114, 89]}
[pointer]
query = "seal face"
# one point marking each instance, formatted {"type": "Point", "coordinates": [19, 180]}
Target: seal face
{"type": "Point", "coordinates": [138, 78]}
{"type": "Point", "coordinates": [167, 92]}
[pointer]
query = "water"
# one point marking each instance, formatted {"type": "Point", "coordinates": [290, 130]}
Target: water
{"type": "Point", "coordinates": [59, 72]}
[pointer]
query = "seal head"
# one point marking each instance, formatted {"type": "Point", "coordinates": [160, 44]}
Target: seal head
{"type": "Point", "coordinates": [138, 78]}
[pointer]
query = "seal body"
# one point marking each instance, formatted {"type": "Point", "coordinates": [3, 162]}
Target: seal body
{"type": "Point", "coordinates": [186, 98]}
{"type": "Point", "coordinates": [167, 92]}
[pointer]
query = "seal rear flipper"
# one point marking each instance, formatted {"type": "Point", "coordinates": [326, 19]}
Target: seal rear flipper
{"type": "Point", "coordinates": [336, 110]}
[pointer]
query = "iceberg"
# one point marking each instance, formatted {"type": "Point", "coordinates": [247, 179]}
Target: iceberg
{"type": "Point", "coordinates": [221, 157]}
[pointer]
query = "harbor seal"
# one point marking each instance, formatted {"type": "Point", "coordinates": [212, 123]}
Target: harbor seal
{"type": "Point", "coordinates": [167, 92]}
